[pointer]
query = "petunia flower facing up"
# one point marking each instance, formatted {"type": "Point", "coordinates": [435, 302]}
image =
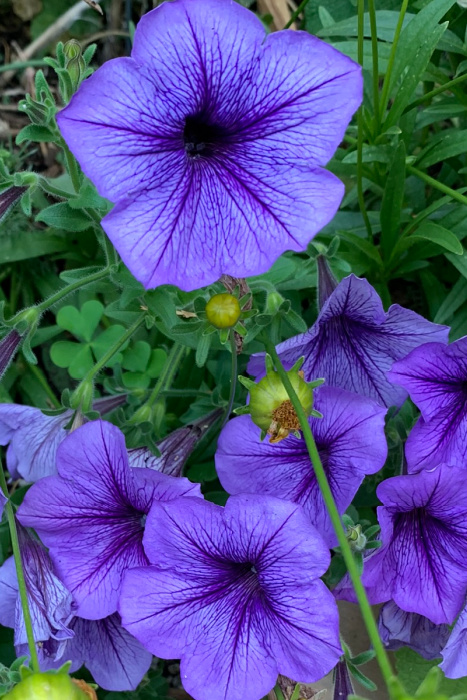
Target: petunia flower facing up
{"type": "Point", "coordinates": [91, 516]}
{"type": "Point", "coordinates": [211, 139]}
{"type": "Point", "coordinates": [421, 565]}
{"type": "Point", "coordinates": [351, 443]}
{"type": "Point", "coordinates": [435, 376]}
{"type": "Point", "coordinates": [115, 659]}
{"type": "Point", "coordinates": [235, 593]}
{"type": "Point", "coordinates": [354, 342]}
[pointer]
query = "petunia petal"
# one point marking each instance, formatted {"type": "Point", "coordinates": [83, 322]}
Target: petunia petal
{"type": "Point", "coordinates": [454, 654]}
{"type": "Point", "coordinates": [351, 442]}
{"type": "Point", "coordinates": [398, 628]}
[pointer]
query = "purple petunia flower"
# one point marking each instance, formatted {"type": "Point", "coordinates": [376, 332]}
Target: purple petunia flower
{"type": "Point", "coordinates": [116, 660]}
{"type": "Point", "coordinates": [398, 628]}
{"type": "Point", "coordinates": [454, 654]}
{"type": "Point", "coordinates": [421, 565]}
{"type": "Point", "coordinates": [435, 376]}
{"type": "Point", "coordinates": [351, 443]}
{"type": "Point", "coordinates": [211, 139]}
{"type": "Point", "coordinates": [354, 342]}
{"type": "Point", "coordinates": [33, 438]}
{"type": "Point", "coordinates": [235, 593]}
{"type": "Point", "coordinates": [91, 516]}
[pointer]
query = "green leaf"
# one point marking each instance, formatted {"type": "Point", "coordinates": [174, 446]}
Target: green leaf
{"type": "Point", "coordinates": [416, 44]}
{"type": "Point", "coordinates": [429, 231]}
{"type": "Point", "coordinates": [412, 670]}
{"type": "Point", "coordinates": [34, 132]}
{"type": "Point", "coordinates": [63, 351]}
{"type": "Point", "coordinates": [202, 350]}
{"type": "Point", "coordinates": [137, 356]}
{"type": "Point", "coordinates": [156, 363]}
{"type": "Point", "coordinates": [393, 198]}
{"type": "Point", "coordinates": [24, 246]}
{"type": "Point", "coordinates": [160, 302]}
{"type": "Point", "coordinates": [82, 323]}
{"type": "Point", "coordinates": [136, 380]}
{"type": "Point", "coordinates": [453, 301]}
{"type": "Point", "coordinates": [361, 678]}
{"type": "Point", "coordinates": [448, 144]}
{"type": "Point", "coordinates": [63, 217]}
{"type": "Point", "coordinates": [106, 340]}
{"type": "Point", "coordinates": [459, 262]}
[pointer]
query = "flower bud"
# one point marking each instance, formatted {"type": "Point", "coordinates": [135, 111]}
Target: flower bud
{"type": "Point", "coordinates": [223, 310]}
{"type": "Point", "coordinates": [46, 686]}
{"type": "Point", "coordinates": [356, 538]}
{"type": "Point", "coordinates": [82, 396]}
{"type": "Point", "coordinates": [75, 63]}
{"type": "Point", "coordinates": [9, 197]}
{"type": "Point", "coordinates": [270, 407]}
{"type": "Point", "coordinates": [8, 347]}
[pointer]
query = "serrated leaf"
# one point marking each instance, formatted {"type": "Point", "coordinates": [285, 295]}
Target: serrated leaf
{"type": "Point", "coordinates": [61, 216]}
{"type": "Point", "coordinates": [429, 231]}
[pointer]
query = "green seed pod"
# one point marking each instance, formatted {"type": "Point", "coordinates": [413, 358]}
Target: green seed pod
{"type": "Point", "coordinates": [223, 310]}
{"type": "Point", "coordinates": [46, 686]}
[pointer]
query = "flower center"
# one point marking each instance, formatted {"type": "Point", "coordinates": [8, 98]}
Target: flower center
{"type": "Point", "coordinates": [200, 137]}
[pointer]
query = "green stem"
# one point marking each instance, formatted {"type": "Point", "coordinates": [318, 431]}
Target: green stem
{"type": "Point", "coordinates": [54, 191]}
{"type": "Point", "coordinates": [437, 185]}
{"type": "Point", "coordinates": [296, 693]}
{"type": "Point", "coordinates": [39, 374]}
{"type": "Point", "coordinates": [58, 296]}
{"type": "Point", "coordinates": [170, 368]}
{"type": "Point", "coordinates": [436, 91]}
{"type": "Point", "coordinates": [113, 350]}
{"type": "Point", "coordinates": [296, 14]}
{"type": "Point", "coordinates": [330, 503]}
{"type": "Point", "coordinates": [278, 692]}
{"type": "Point", "coordinates": [361, 199]}
{"type": "Point", "coordinates": [20, 575]}
{"type": "Point", "coordinates": [233, 377]}
{"type": "Point", "coordinates": [72, 167]}
{"type": "Point", "coordinates": [374, 58]}
{"type": "Point", "coordinates": [392, 56]}
{"type": "Point", "coordinates": [110, 252]}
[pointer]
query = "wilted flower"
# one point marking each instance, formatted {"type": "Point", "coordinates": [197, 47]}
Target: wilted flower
{"type": "Point", "coordinates": [235, 593]}
{"type": "Point", "coordinates": [34, 437]}
{"type": "Point", "coordinates": [175, 448]}
{"type": "Point", "coordinates": [91, 516]}
{"type": "Point", "coordinates": [421, 565]}
{"type": "Point", "coordinates": [116, 660]}
{"type": "Point", "coordinates": [454, 654]}
{"type": "Point", "coordinates": [351, 443]}
{"type": "Point", "coordinates": [354, 342]}
{"type": "Point", "coordinates": [211, 139]}
{"type": "Point", "coordinates": [8, 347]}
{"type": "Point", "coordinates": [398, 628]}
{"type": "Point", "coordinates": [435, 376]}
{"type": "Point", "coordinates": [342, 682]}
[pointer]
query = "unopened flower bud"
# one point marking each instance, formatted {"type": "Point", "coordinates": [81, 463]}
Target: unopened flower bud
{"type": "Point", "coordinates": [356, 538]}
{"type": "Point", "coordinates": [81, 398]}
{"type": "Point", "coordinates": [9, 197]}
{"type": "Point", "coordinates": [8, 347]}
{"type": "Point", "coordinates": [223, 310]}
{"type": "Point", "coordinates": [270, 406]}
{"type": "Point", "coordinates": [75, 63]}
{"type": "Point", "coordinates": [46, 686]}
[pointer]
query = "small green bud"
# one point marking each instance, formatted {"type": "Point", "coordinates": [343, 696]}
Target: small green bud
{"type": "Point", "coordinates": [223, 310]}
{"type": "Point", "coordinates": [356, 538]}
{"type": "Point", "coordinates": [274, 302]}
{"type": "Point", "coordinates": [81, 398]}
{"type": "Point", "coordinates": [75, 63]}
{"type": "Point", "coordinates": [142, 415]}
{"type": "Point", "coordinates": [28, 317]}
{"type": "Point", "coordinates": [270, 406]}
{"type": "Point", "coordinates": [46, 686]}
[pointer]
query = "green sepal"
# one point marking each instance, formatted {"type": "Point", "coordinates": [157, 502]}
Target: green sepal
{"type": "Point", "coordinates": [263, 435]}
{"type": "Point", "coordinates": [246, 382]}
{"type": "Point", "coordinates": [298, 365]}
{"type": "Point", "coordinates": [269, 364]}
{"type": "Point", "coordinates": [241, 411]}
{"type": "Point", "coordinates": [224, 335]}
{"type": "Point", "coordinates": [316, 383]}
{"type": "Point", "coordinates": [315, 413]}
{"type": "Point", "coordinates": [360, 677]}
{"type": "Point", "coordinates": [202, 350]}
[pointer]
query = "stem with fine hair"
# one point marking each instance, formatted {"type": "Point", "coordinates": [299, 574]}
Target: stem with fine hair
{"type": "Point", "coordinates": [437, 185]}
{"type": "Point", "coordinates": [58, 296]}
{"type": "Point", "coordinates": [20, 575]}
{"type": "Point", "coordinates": [166, 377]}
{"type": "Point", "coordinates": [361, 200]}
{"type": "Point", "coordinates": [392, 56]}
{"type": "Point", "coordinates": [233, 377]}
{"type": "Point", "coordinates": [330, 503]}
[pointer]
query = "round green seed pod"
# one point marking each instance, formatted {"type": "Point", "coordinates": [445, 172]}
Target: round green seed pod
{"type": "Point", "coordinates": [46, 686]}
{"type": "Point", "coordinates": [223, 310]}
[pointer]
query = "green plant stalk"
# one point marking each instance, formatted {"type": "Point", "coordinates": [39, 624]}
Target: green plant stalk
{"type": "Point", "coordinates": [330, 503]}
{"type": "Point", "coordinates": [110, 252]}
{"type": "Point", "coordinates": [436, 91]}
{"type": "Point", "coordinates": [20, 575]}
{"type": "Point", "coordinates": [296, 693]}
{"type": "Point", "coordinates": [361, 200]}
{"type": "Point", "coordinates": [392, 56]}
{"type": "Point", "coordinates": [170, 368]}
{"type": "Point", "coordinates": [278, 692]}
{"type": "Point", "coordinates": [58, 296]}
{"type": "Point", "coordinates": [374, 58]}
{"type": "Point", "coordinates": [233, 377]}
{"type": "Point", "coordinates": [39, 374]}
{"type": "Point", "coordinates": [113, 350]}
{"type": "Point", "coordinates": [72, 166]}
{"type": "Point", "coordinates": [437, 185]}
{"type": "Point", "coordinates": [296, 14]}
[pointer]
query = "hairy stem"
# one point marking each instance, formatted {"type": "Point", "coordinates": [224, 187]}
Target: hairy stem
{"type": "Point", "coordinates": [58, 296]}
{"type": "Point", "coordinates": [330, 503]}
{"type": "Point", "coordinates": [20, 575]}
